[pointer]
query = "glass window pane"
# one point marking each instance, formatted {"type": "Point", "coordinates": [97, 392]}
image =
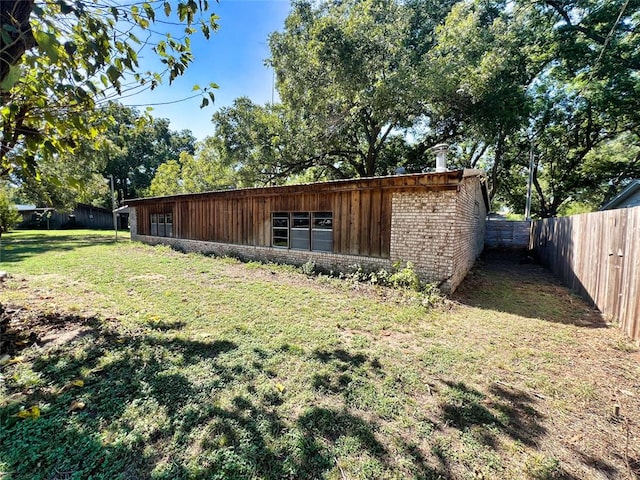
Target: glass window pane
{"type": "Point", "coordinates": [169, 229]}
{"type": "Point", "coordinates": [280, 242]}
{"type": "Point", "coordinates": [161, 218]}
{"type": "Point", "coordinates": [281, 222]}
{"type": "Point", "coordinates": [323, 220]}
{"type": "Point", "coordinates": [280, 232]}
{"type": "Point", "coordinates": [300, 220]}
{"type": "Point", "coordinates": [169, 218]}
{"type": "Point", "coordinates": [322, 240]}
{"type": "Point", "coordinates": [300, 239]}
{"type": "Point", "coordinates": [154, 229]}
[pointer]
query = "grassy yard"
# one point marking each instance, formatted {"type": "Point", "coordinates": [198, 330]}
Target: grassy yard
{"type": "Point", "coordinates": [135, 362]}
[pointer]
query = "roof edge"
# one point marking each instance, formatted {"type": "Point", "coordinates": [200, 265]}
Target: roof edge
{"type": "Point", "coordinates": [624, 194]}
{"type": "Point", "coordinates": [453, 175]}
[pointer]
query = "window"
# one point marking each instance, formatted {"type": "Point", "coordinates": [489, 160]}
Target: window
{"type": "Point", "coordinates": [154, 224]}
{"type": "Point", "coordinates": [162, 224]}
{"type": "Point", "coordinates": [322, 232]}
{"type": "Point", "coordinates": [303, 230]}
{"type": "Point", "coordinates": [280, 230]}
{"type": "Point", "coordinates": [168, 224]}
{"type": "Point", "coordinates": [300, 231]}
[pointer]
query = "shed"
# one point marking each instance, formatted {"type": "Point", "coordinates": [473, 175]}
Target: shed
{"type": "Point", "coordinates": [627, 198]}
{"type": "Point", "coordinates": [434, 220]}
{"type": "Point", "coordinates": [82, 216]}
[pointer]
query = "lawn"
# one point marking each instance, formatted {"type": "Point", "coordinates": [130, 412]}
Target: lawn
{"type": "Point", "coordinates": [125, 361]}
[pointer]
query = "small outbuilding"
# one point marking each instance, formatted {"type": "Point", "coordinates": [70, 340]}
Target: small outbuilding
{"type": "Point", "coordinates": [434, 220]}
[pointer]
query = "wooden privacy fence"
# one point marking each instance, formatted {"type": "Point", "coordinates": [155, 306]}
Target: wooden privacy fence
{"type": "Point", "coordinates": [507, 234]}
{"type": "Point", "coordinates": [597, 255]}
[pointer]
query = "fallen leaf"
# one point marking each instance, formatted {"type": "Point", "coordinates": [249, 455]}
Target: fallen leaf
{"type": "Point", "coordinates": [76, 405]}
{"type": "Point", "coordinates": [71, 384]}
{"type": "Point", "coordinates": [32, 412]}
{"type": "Point", "coordinates": [280, 387]}
{"type": "Point", "coordinates": [14, 360]}
{"type": "Point", "coordinates": [4, 359]}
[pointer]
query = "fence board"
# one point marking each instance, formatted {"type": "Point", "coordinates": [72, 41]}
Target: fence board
{"type": "Point", "coordinates": [597, 255]}
{"type": "Point", "coordinates": [507, 234]}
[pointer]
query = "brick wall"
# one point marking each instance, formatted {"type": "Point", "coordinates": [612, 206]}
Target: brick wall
{"type": "Point", "coordinates": [328, 261]}
{"type": "Point", "coordinates": [423, 231]}
{"type": "Point", "coordinates": [471, 213]}
{"type": "Point", "coordinates": [133, 222]}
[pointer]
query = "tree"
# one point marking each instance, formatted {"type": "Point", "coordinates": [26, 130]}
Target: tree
{"type": "Point", "coordinates": [485, 59]}
{"type": "Point", "coordinates": [9, 215]}
{"type": "Point", "coordinates": [560, 77]}
{"type": "Point", "coordinates": [135, 145]}
{"type": "Point", "coordinates": [64, 181]}
{"type": "Point", "coordinates": [350, 73]}
{"type": "Point", "coordinates": [86, 54]}
{"type": "Point", "coordinates": [193, 173]}
{"type": "Point", "coordinates": [260, 143]}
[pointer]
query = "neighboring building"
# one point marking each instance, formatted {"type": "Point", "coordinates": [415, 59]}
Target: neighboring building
{"type": "Point", "coordinates": [83, 216]}
{"type": "Point", "coordinates": [629, 197]}
{"type": "Point", "coordinates": [435, 220]}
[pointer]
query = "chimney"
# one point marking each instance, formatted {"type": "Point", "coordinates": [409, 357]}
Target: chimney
{"type": "Point", "coordinates": [441, 157]}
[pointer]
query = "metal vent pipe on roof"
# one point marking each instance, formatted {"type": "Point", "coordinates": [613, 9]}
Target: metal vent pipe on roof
{"type": "Point", "coordinates": [441, 157]}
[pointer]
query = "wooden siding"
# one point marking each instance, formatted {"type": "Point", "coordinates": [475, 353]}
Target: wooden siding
{"type": "Point", "coordinates": [361, 219]}
{"type": "Point", "coordinates": [361, 211]}
{"type": "Point", "coordinates": [598, 256]}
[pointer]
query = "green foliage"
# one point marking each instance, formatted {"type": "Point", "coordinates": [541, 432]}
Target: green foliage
{"type": "Point", "coordinates": [61, 60]}
{"type": "Point", "coordinates": [65, 180]}
{"type": "Point", "coordinates": [259, 143]}
{"type": "Point", "coordinates": [134, 146]}
{"type": "Point", "coordinates": [553, 76]}
{"type": "Point", "coordinates": [308, 268]}
{"type": "Point", "coordinates": [9, 216]}
{"type": "Point", "coordinates": [201, 172]}
{"type": "Point", "coordinates": [350, 74]}
{"type": "Point", "coordinates": [405, 277]}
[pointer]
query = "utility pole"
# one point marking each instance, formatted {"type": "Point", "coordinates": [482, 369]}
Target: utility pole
{"type": "Point", "coordinates": [527, 209]}
{"type": "Point", "coordinates": [113, 207]}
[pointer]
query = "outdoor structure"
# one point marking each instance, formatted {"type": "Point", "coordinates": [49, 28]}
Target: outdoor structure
{"type": "Point", "coordinates": [629, 197]}
{"type": "Point", "coordinates": [83, 216]}
{"type": "Point", "coordinates": [434, 220]}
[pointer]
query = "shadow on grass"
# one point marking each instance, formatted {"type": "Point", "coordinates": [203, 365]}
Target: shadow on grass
{"type": "Point", "coordinates": [482, 419]}
{"type": "Point", "coordinates": [500, 282]}
{"type": "Point", "coordinates": [148, 407]}
{"type": "Point", "coordinates": [18, 247]}
{"type": "Point", "coordinates": [158, 406]}
{"type": "Point", "coordinates": [512, 412]}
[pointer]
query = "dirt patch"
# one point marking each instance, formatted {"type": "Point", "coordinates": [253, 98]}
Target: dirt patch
{"type": "Point", "coordinates": [21, 328]}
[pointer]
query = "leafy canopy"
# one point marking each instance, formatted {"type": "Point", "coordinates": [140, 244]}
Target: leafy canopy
{"type": "Point", "coordinates": [350, 72]}
{"type": "Point", "coordinates": [60, 60]}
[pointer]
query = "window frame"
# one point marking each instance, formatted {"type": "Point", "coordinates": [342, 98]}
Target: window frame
{"type": "Point", "coordinates": [291, 218]}
{"type": "Point", "coordinates": [281, 216]}
{"type": "Point", "coordinates": [161, 224]}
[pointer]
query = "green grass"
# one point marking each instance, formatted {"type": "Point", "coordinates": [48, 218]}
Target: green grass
{"type": "Point", "coordinates": [199, 367]}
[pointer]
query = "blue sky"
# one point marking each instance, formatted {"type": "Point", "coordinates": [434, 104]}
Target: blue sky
{"type": "Point", "coordinates": [233, 58]}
